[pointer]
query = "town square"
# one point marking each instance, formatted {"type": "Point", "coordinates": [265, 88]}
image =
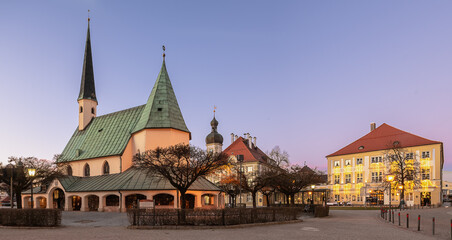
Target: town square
{"type": "Point", "coordinates": [241, 119]}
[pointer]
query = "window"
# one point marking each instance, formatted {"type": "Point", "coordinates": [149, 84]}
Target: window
{"type": "Point", "coordinates": [375, 159]}
{"type": "Point", "coordinates": [359, 161]}
{"type": "Point", "coordinates": [337, 179]}
{"type": "Point", "coordinates": [337, 198]}
{"type": "Point", "coordinates": [249, 198]}
{"type": "Point", "coordinates": [86, 170]}
{"type": "Point", "coordinates": [359, 177]}
{"type": "Point", "coordinates": [353, 198]}
{"type": "Point", "coordinates": [348, 178]}
{"type": "Point", "coordinates": [249, 169]}
{"type": "Point", "coordinates": [207, 199]}
{"type": "Point", "coordinates": [348, 162]}
{"type": "Point", "coordinates": [69, 170]}
{"type": "Point", "coordinates": [337, 164]}
{"type": "Point", "coordinates": [426, 154]}
{"type": "Point", "coordinates": [409, 156]}
{"type": "Point", "coordinates": [81, 109]}
{"type": "Point", "coordinates": [425, 174]}
{"type": "Point", "coordinates": [377, 176]}
{"type": "Point", "coordinates": [106, 168]}
{"type": "Point", "coordinates": [112, 200]}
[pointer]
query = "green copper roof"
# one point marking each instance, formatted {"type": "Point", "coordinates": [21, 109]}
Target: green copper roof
{"type": "Point", "coordinates": [162, 109]}
{"type": "Point", "coordinates": [106, 135]}
{"type": "Point", "coordinates": [131, 179]}
{"type": "Point", "coordinates": [87, 89]}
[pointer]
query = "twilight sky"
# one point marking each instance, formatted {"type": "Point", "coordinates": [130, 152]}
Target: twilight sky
{"type": "Point", "coordinates": [308, 76]}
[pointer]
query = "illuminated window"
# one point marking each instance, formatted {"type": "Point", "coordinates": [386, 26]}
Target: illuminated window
{"type": "Point", "coordinates": [426, 154]}
{"type": "Point", "coordinates": [425, 174]}
{"type": "Point", "coordinates": [377, 176]}
{"type": "Point", "coordinates": [409, 156]}
{"type": "Point", "coordinates": [336, 179]}
{"type": "Point", "coordinates": [337, 164]}
{"type": "Point", "coordinates": [250, 169]}
{"type": "Point", "coordinates": [359, 177]}
{"type": "Point", "coordinates": [348, 162]}
{"type": "Point", "coordinates": [359, 161]}
{"type": "Point", "coordinates": [348, 178]}
{"type": "Point", "coordinates": [375, 159]}
{"type": "Point", "coordinates": [249, 198]}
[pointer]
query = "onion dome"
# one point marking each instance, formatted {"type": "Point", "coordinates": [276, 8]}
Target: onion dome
{"type": "Point", "coordinates": [214, 136]}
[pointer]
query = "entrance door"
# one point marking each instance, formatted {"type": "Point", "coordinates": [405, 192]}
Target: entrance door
{"type": "Point", "coordinates": [93, 203]}
{"type": "Point", "coordinates": [76, 203]}
{"type": "Point", "coordinates": [58, 199]}
{"type": "Point", "coordinates": [189, 201]}
{"type": "Point", "coordinates": [426, 198]}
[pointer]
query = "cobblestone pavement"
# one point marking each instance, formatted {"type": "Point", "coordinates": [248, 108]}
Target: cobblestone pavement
{"type": "Point", "coordinates": [342, 224]}
{"type": "Point", "coordinates": [443, 217]}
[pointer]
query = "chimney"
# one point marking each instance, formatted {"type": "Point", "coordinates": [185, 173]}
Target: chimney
{"type": "Point", "coordinates": [255, 145]}
{"type": "Point", "coordinates": [372, 126]}
{"type": "Point", "coordinates": [250, 144]}
{"type": "Point", "coordinates": [236, 137]}
{"type": "Point", "coordinates": [232, 137]}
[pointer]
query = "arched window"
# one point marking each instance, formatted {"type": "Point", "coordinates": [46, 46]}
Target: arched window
{"type": "Point", "coordinates": [106, 168]}
{"type": "Point", "coordinates": [92, 110]}
{"type": "Point", "coordinates": [86, 170]}
{"type": "Point", "coordinates": [81, 109]}
{"type": "Point", "coordinates": [69, 170]}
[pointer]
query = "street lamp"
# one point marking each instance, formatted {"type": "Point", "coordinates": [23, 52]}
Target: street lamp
{"type": "Point", "coordinates": [31, 173]}
{"type": "Point", "coordinates": [390, 178]}
{"type": "Point", "coordinates": [240, 160]}
{"type": "Point", "coordinates": [11, 168]}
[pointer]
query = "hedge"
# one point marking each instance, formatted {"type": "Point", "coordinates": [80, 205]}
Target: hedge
{"type": "Point", "coordinates": [30, 217]}
{"type": "Point", "coordinates": [227, 216]}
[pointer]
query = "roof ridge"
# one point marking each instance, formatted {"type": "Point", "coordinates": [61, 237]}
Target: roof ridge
{"type": "Point", "coordinates": [120, 111]}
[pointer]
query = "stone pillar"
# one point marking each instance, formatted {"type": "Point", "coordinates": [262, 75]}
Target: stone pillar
{"type": "Point", "coordinates": [123, 203]}
{"type": "Point", "coordinates": [84, 205]}
{"type": "Point", "coordinates": [68, 204]}
{"type": "Point", "coordinates": [101, 204]}
{"type": "Point", "coordinates": [198, 200]}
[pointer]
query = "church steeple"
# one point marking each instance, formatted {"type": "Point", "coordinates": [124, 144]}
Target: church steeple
{"type": "Point", "coordinates": [87, 100]}
{"type": "Point", "coordinates": [214, 141]}
{"type": "Point", "coordinates": [87, 89]}
{"type": "Point", "coordinates": [162, 109]}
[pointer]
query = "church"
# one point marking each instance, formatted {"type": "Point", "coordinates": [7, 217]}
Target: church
{"type": "Point", "coordinates": [98, 157]}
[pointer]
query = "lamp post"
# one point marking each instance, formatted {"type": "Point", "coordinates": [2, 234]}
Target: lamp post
{"type": "Point", "coordinates": [31, 173]}
{"type": "Point", "coordinates": [402, 201]}
{"type": "Point", "coordinates": [390, 178]}
{"type": "Point", "coordinates": [240, 160]}
{"type": "Point", "coordinates": [11, 168]}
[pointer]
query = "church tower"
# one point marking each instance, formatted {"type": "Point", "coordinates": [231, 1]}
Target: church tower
{"type": "Point", "coordinates": [87, 100]}
{"type": "Point", "coordinates": [214, 141]}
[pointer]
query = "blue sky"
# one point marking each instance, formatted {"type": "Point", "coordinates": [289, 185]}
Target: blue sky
{"type": "Point", "coordinates": [308, 76]}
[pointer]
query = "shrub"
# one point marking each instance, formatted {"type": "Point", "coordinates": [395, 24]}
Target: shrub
{"type": "Point", "coordinates": [30, 217]}
{"type": "Point", "coordinates": [321, 211]}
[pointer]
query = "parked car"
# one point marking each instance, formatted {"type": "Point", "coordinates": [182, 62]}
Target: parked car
{"type": "Point", "coordinates": [332, 204]}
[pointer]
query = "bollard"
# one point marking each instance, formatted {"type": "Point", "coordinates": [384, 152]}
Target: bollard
{"type": "Point", "coordinates": [419, 222]}
{"type": "Point", "coordinates": [399, 218]}
{"type": "Point", "coordinates": [392, 217]}
{"type": "Point", "coordinates": [407, 220]}
{"type": "Point", "coordinates": [433, 231]}
{"type": "Point", "coordinates": [389, 213]}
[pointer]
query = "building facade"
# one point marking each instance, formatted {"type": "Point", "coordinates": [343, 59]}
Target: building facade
{"type": "Point", "coordinates": [357, 172]}
{"type": "Point", "coordinates": [98, 159]}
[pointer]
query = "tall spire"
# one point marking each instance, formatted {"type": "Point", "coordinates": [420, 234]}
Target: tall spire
{"type": "Point", "coordinates": [162, 109]}
{"type": "Point", "coordinates": [87, 89]}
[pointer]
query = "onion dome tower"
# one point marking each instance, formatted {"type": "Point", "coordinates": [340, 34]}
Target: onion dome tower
{"type": "Point", "coordinates": [214, 141]}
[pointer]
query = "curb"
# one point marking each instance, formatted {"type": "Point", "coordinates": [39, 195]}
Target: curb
{"type": "Point", "coordinates": [211, 227]}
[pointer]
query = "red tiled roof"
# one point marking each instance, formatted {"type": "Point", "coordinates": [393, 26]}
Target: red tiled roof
{"type": "Point", "coordinates": [383, 138]}
{"type": "Point", "coordinates": [241, 147]}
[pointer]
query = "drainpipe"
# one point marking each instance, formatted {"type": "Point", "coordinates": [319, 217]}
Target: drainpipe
{"type": "Point", "coordinates": [120, 164]}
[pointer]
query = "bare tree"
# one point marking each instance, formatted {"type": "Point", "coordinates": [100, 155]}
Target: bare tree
{"type": "Point", "coordinates": [292, 180]}
{"type": "Point", "coordinates": [281, 158]}
{"type": "Point", "coordinates": [46, 171]}
{"type": "Point", "coordinates": [181, 165]}
{"type": "Point", "coordinates": [253, 183]}
{"type": "Point", "coordinates": [231, 186]}
{"type": "Point", "coordinates": [403, 167]}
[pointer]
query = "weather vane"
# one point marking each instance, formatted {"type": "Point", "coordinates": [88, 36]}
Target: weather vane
{"type": "Point", "coordinates": [163, 47]}
{"type": "Point", "coordinates": [88, 15]}
{"type": "Point", "coordinates": [214, 110]}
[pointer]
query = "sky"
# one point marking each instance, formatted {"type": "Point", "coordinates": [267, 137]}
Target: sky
{"type": "Point", "coordinates": [308, 76]}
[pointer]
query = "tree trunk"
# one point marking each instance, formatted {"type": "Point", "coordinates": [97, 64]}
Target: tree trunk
{"type": "Point", "coordinates": [253, 194]}
{"type": "Point", "coordinates": [19, 200]}
{"type": "Point", "coordinates": [182, 206]}
{"type": "Point", "coordinates": [268, 200]}
{"type": "Point", "coordinates": [292, 199]}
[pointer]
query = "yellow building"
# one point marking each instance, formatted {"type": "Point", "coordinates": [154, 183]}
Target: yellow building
{"type": "Point", "coordinates": [98, 157]}
{"type": "Point", "coordinates": [356, 172]}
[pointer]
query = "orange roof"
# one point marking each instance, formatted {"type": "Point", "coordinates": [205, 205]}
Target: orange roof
{"type": "Point", "coordinates": [383, 138]}
{"type": "Point", "coordinates": [241, 147]}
